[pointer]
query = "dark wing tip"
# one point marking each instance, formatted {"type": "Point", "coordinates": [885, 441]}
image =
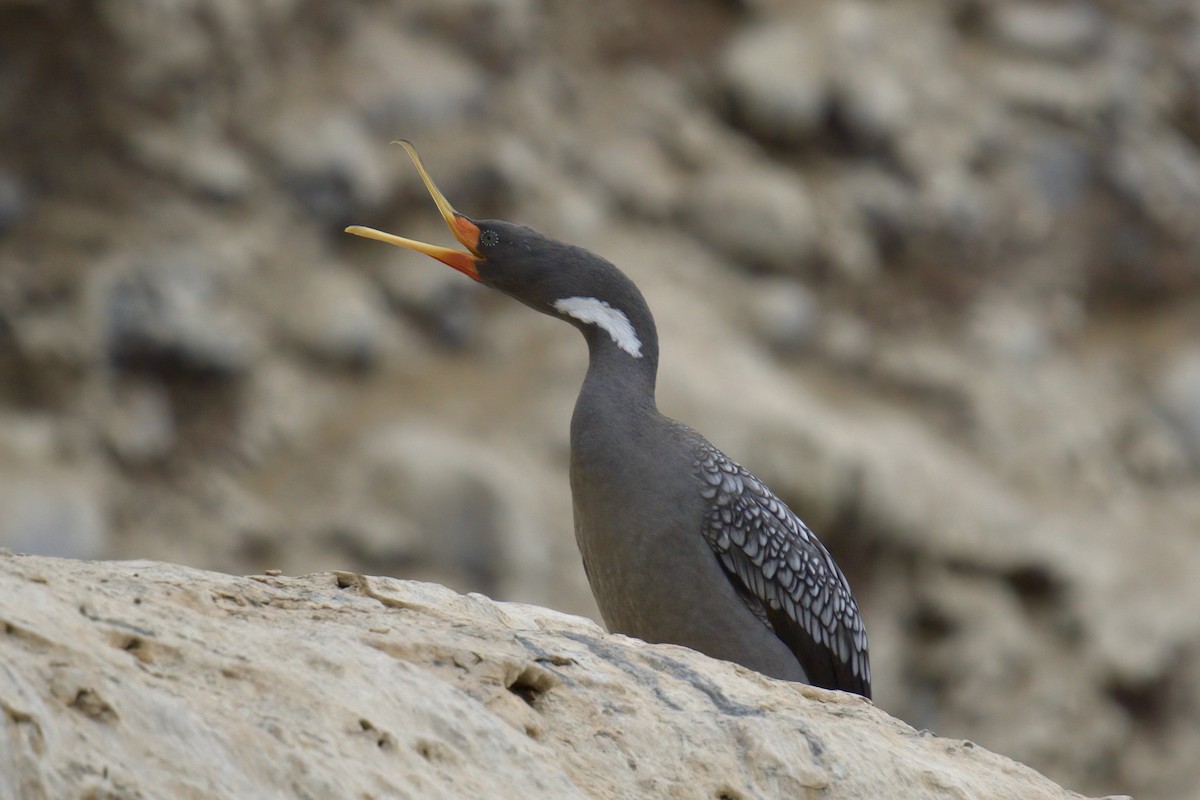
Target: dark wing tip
{"type": "Point", "coordinates": [822, 664]}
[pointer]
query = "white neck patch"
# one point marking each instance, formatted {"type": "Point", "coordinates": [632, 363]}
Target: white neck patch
{"type": "Point", "coordinates": [613, 320]}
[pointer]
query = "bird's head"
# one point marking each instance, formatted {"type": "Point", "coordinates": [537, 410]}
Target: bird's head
{"type": "Point", "coordinates": [550, 276]}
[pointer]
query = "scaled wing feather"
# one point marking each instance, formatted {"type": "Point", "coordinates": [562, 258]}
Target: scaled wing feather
{"type": "Point", "coordinates": [785, 574]}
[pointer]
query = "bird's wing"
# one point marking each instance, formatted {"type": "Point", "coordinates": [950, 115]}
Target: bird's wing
{"type": "Point", "coordinates": [785, 574]}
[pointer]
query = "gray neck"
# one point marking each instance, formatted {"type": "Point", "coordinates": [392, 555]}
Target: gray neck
{"type": "Point", "coordinates": [618, 391]}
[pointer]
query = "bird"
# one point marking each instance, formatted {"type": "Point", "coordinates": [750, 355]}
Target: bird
{"type": "Point", "coordinates": [680, 543]}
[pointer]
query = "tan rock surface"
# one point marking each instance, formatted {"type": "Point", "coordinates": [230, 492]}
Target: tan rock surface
{"type": "Point", "coordinates": [144, 679]}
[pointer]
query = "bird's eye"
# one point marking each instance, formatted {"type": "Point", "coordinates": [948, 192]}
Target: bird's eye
{"type": "Point", "coordinates": [489, 238]}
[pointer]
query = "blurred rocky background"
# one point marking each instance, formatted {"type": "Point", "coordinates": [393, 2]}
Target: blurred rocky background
{"type": "Point", "coordinates": [931, 269]}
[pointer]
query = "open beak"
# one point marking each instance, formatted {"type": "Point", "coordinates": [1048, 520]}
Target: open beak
{"type": "Point", "coordinates": [465, 231]}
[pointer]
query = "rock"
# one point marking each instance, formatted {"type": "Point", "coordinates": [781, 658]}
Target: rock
{"type": "Point", "coordinates": [784, 314]}
{"type": "Point", "coordinates": [142, 679]}
{"type": "Point", "coordinates": [760, 216]}
{"type": "Point", "coordinates": [427, 498]}
{"type": "Point", "coordinates": [498, 31]}
{"type": "Point", "coordinates": [1067, 30]}
{"type": "Point", "coordinates": [874, 104]}
{"type": "Point", "coordinates": [169, 309]}
{"type": "Point", "coordinates": [1160, 173]}
{"type": "Point", "coordinates": [869, 85]}
{"type": "Point", "coordinates": [137, 421]}
{"type": "Point", "coordinates": [52, 515]}
{"type": "Point", "coordinates": [409, 83]}
{"type": "Point", "coordinates": [863, 216]}
{"type": "Point", "coordinates": [51, 503]}
{"type": "Point", "coordinates": [1006, 330]}
{"type": "Point", "coordinates": [283, 406]}
{"type": "Point", "coordinates": [15, 202]}
{"type": "Point", "coordinates": [330, 165]}
{"type": "Point", "coordinates": [1069, 94]}
{"type": "Point", "coordinates": [1062, 172]}
{"type": "Point", "coordinates": [52, 511]}
{"type": "Point", "coordinates": [161, 60]}
{"type": "Point", "coordinates": [576, 213]}
{"type": "Point", "coordinates": [774, 76]}
{"type": "Point", "coordinates": [210, 166]}
{"type": "Point", "coordinates": [1155, 452]}
{"type": "Point", "coordinates": [637, 174]}
{"type": "Point", "coordinates": [847, 340]}
{"type": "Point", "coordinates": [340, 318]}
{"type": "Point", "coordinates": [1179, 396]}
{"type": "Point", "coordinates": [28, 437]}
{"type": "Point", "coordinates": [881, 198]}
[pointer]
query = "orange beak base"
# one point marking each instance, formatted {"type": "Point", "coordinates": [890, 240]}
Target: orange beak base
{"type": "Point", "coordinates": [463, 262]}
{"type": "Point", "coordinates": [465, 231]}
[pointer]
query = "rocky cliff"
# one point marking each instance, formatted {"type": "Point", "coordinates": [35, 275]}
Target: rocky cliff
{"type": "Point", "coordinates": [126, 680]}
